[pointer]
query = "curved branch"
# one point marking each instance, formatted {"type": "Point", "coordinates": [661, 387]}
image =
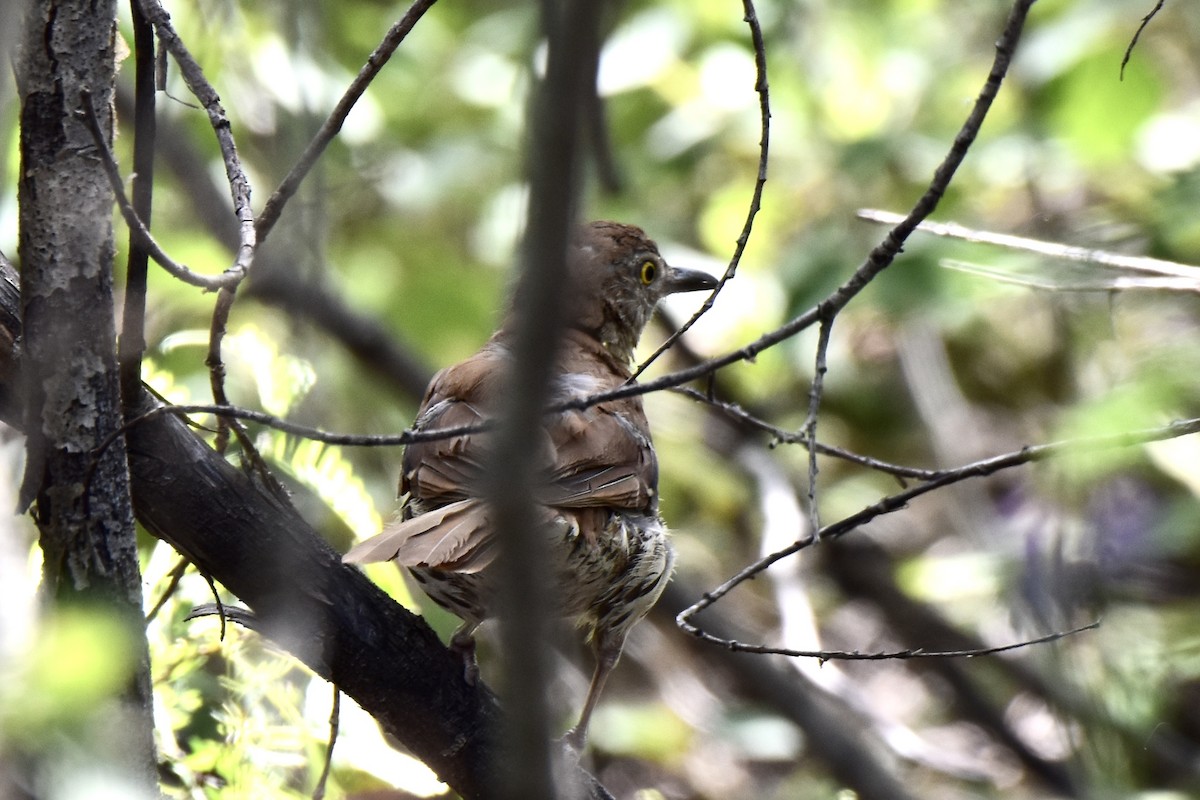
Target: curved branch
{"type": "Point", "coordinates": [1137, 35]}
{"type": "Point", "coordinates": [137, 227]}
{"type": "Point", "coordinates": [330, 128]}
{"type": "Point", "coordinates": [193, 75]}
{"type": "Point", "coordinates": [764, 106]}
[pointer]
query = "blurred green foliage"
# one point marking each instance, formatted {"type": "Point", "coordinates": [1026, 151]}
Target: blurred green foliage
{"type": "Point", "coordinates": [412, 216]}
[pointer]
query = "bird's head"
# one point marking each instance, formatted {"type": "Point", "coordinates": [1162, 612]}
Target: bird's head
{"type": "Point", "coordinates": [616, 278]}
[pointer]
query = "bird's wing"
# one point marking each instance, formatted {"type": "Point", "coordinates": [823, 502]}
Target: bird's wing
{"type": "Point", "coordinates": [602, 455]}
{"type": "Point", "coordinates": [591, 458]}
{"type": "Point", "coordinates": [443, 476]}
{"type": "Point", "coordinates": [456, 537]}
{"type": "Point", "coordinates": [445, 470]}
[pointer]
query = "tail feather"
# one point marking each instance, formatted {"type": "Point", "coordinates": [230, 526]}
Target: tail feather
{"type": "Point", "coordinates": [455, 537]}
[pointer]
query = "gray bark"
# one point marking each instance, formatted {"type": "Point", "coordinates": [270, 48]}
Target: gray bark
{"type": "Point", "coordinates": [70, 391]}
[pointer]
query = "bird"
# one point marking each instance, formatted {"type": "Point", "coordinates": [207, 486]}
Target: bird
{"type": "Point", "coordinates": [608, 549]}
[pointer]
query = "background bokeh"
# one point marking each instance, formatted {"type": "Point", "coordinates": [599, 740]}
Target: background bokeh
{"type": "Point", "coordinates": [409, 222]}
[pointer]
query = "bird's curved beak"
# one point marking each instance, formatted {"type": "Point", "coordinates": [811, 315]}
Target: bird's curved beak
{"type": "Point", "coordinates": [680, 279]}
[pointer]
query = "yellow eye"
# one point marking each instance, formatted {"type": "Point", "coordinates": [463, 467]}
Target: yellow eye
{"type": "Point", "coordinates": [649, 271]}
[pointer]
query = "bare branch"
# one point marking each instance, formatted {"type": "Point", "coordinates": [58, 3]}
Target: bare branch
{"type": "Point", "coordinates": [316, 434]}
{"type": "Point", "coordinates": [334, 724]}
{"type": "Point", "coordinates": [782, 436]}
{"type": "Point", "coordinates": [173, 579]}
{"type": "Point", "coordinates": [193, 75]}
{"type": "Point", "coordinates": [879, 258]}
{"type": "Point", "coordinates": [1137, 34]}
{"type": "Point", "coordinates": [815, 393]}
{"type": "Point", "coordinates": [330, 128]}
{"type": "Point", "coordinates": [883, 255]}
{"type": "Point", "coordinates": [893, 655]}
{"type": "Point", "coordinates": [142, 236]}
{"type": "Point", "coordinates": [1087, 255]}
{"type": "Point", "coordinates": [310, 301]}
{"type": "Point", "coordinates": [216, 366]}
{"type": "Point", "coordinates": [894, 502]}
{"type": "Point", "coordinates": [1100, 283]}
{"type": "Point", "coordinates": [239, 187]}
{"type": "Point", "coordinates": [764, 104]}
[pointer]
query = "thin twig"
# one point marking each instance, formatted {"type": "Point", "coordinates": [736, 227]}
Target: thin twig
{"type": "Point", "coordinates": [193, 76]}
{"type": "Point", "coordinates": [239, 188]}
{"type": "Point", "coordinates": [815, 392]}
{"type": "Point", "coordinates": [334, 723]}
{"type": "Point", "coordinates": [887, 655]}
{"type": "Point", "coordinates": [212, 587]}
{"type": "Point", "coordinates": [138, 228]}
{"type": "Point", "coordinates": [215, 364]}
{"type": "Point", "coordinates": [176, 575]}
{"type": "Point", "coordinates": [976, 469]}
{"type": "Point", "coordinates": [271, 421]}
{"type": "Point", "coordinates": [764, 105]}
{"type": "Point", "coordinates": [216, 367]}
{"type": "Point", "coordinates": [1087, 255]}
{"type": "Point", "coordinates": [333, 124]}
{"type": "Point", "coordinates": [882, 256]}
{"type": "Point", "coordinates": [1099, 283]}
{"type": "Point", "coordinates": [1137, 34]}
{"type": "Point", "coordinates": [782, 436]}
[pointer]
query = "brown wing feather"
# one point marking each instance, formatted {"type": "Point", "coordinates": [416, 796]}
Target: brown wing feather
{"type": "Point", "coordinates": [610, 463]}
{"type": "Point", "coordinates": [454, 537]}
{"type": "Point", "coordinates": [603, 454]}
{"type": "Point", "coordinates": [599, 457]}
{"type": "Point", "coordinates": [445, 470]}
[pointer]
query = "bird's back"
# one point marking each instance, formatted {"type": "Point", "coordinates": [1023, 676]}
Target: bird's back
{"type": "Point", "coordinates": [597, 499]}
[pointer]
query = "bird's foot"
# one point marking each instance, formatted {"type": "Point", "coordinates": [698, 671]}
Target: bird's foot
{"type": "Point", "coordinates": [465, 647]}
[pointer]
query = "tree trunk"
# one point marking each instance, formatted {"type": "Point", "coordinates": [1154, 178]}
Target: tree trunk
{"type": "Point", "coordinates": [82, 505]}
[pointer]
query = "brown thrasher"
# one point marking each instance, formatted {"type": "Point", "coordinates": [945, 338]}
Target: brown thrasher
{"type": "Point", "coordinates": [608, 548]}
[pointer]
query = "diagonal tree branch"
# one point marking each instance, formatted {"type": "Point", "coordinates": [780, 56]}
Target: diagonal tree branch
{"type": "Point", "coordinates": [764, 110]}
{"type": "Point", "coordinates": [326, 614]}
